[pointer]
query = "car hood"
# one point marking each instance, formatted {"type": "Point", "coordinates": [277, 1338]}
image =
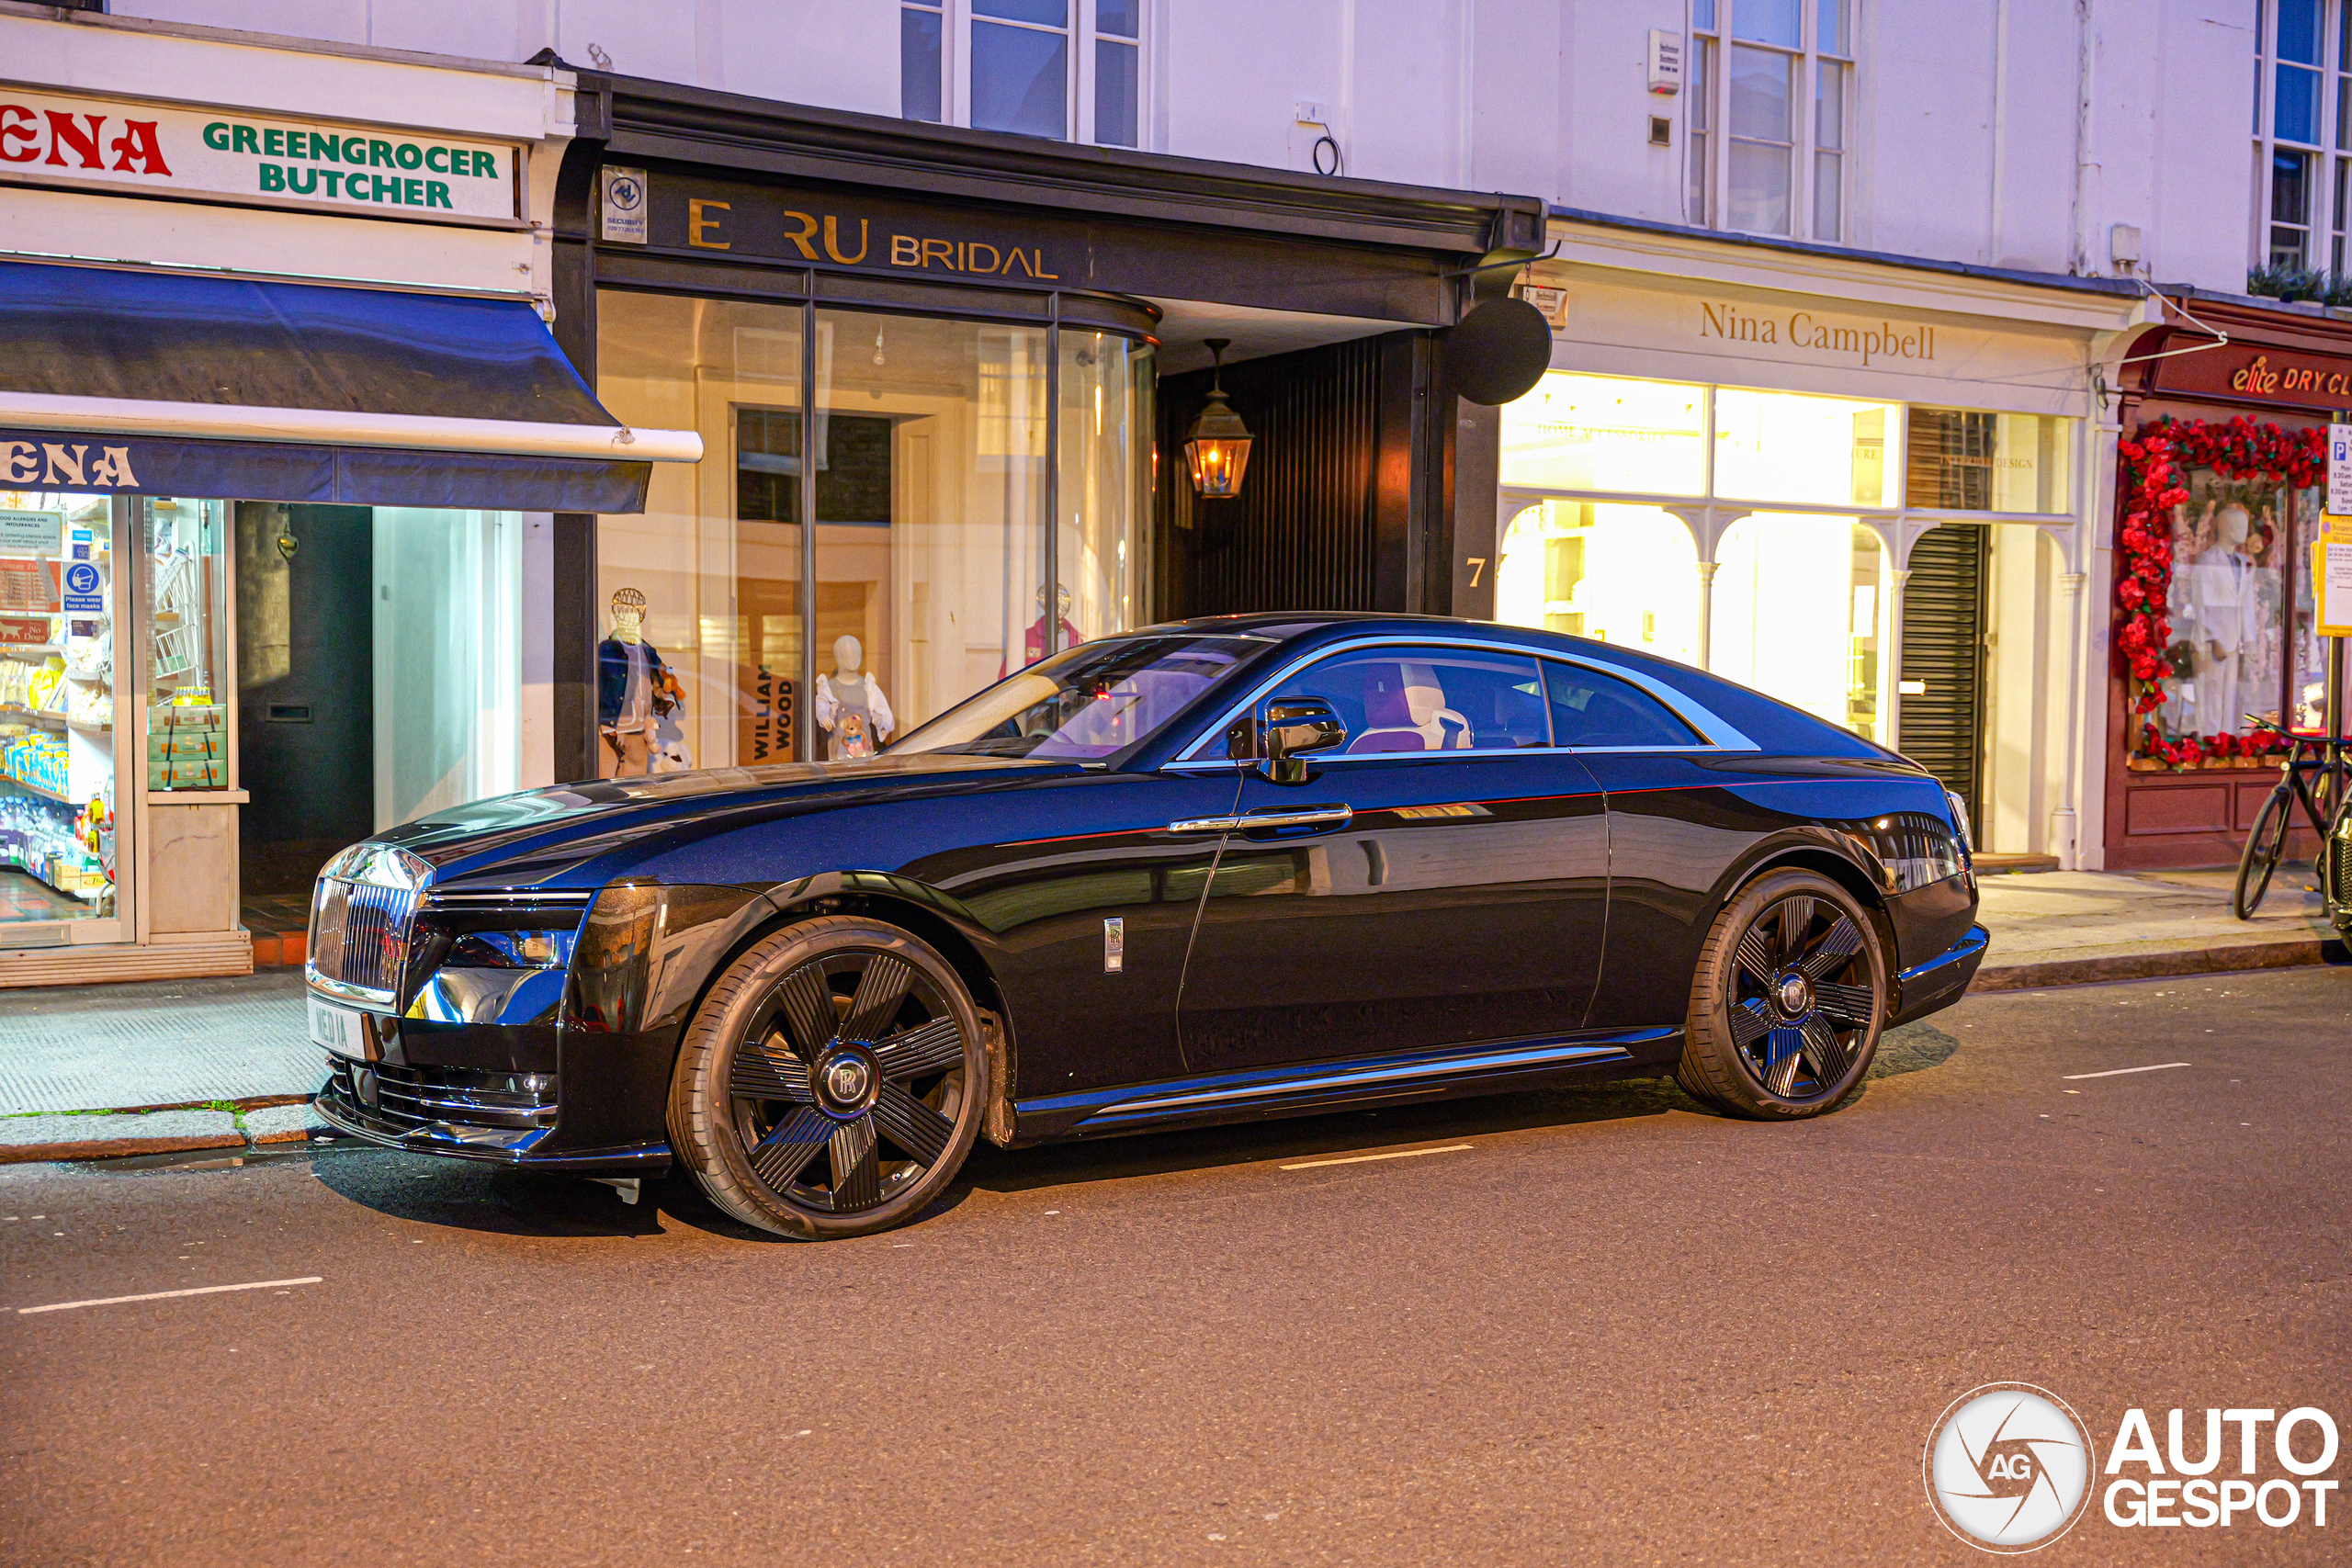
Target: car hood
{"type": "Point", "coordinates": [532, 838]}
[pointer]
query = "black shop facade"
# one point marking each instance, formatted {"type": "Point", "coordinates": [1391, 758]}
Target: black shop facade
{"type": "Point", "coordinates": [944, 380]}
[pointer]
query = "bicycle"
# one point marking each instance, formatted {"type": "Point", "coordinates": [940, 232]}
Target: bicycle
{"type": "Point", "coordinates": [2323, 757]}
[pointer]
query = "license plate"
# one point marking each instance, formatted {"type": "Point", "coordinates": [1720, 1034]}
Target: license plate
{"type": "Point", "coordinates": [341, 1029]}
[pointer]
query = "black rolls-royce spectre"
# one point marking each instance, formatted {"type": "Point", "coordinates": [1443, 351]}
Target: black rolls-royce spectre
{"type": "Point", "coordinates": [1241, 867]}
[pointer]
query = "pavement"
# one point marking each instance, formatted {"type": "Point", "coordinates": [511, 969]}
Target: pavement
{"type": "Point", "coordinates": [2063, 928]}
{"type": "Point", "coordinates": [215, 1064]}
{"type": "Point", "coordinates": [1572, 1326]}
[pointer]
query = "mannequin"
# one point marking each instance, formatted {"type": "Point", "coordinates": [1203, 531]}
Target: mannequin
{"type": "Point", "coordinates": [634, 688]}
{"type": "Point", "coordinates": [851, 708]}
{"type": "Point", "coordinates": [2224, 597]}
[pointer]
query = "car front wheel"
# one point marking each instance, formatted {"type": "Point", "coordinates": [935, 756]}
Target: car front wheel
{"type": "Point", "coordinates": [831, 1082]}
{"type": "Point", "coordinates": [1788, 1000]}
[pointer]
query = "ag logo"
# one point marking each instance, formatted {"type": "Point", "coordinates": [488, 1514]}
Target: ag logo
{"type": "Point", "coordinates": [2009, 1467]}
{"type": "Point", "coordinates": [626, 193]}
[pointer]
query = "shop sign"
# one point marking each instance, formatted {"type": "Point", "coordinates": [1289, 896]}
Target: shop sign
{"type": "Point", "coordinates": [65, 464]}
{"type": "Point", "coordinates": [32, 532]}
{"type": "Point", "coordinates": [1861, 340]}
{"type": "Point", "coordinates": [801, 229]}
{"type": "Point", "coordinates": [1685, 331]}
{"type": "Point", "coordinates": [2248, 373]}
{"type": "Point", "coordinates": [218, 153]}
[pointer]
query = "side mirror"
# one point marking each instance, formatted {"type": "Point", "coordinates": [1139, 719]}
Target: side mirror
{"type": "Point", "coordinates": [1293, 727]}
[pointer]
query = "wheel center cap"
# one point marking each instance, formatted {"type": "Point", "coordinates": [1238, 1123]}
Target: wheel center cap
{"type": "Point", "coordinates": [1794, 994]}
{"type": "Point", "coordinates": [847, 1079]}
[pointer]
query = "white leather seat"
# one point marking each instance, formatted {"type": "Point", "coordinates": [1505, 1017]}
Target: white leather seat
{"type": "Point", "coordinates": [1405, 710]}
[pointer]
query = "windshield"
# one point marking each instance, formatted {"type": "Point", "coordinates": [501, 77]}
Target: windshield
{"type": "Point", "coordinates": [1089, 700]}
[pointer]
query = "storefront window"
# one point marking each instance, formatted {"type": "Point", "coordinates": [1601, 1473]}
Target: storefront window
{"type": "Point", "coordinates": [930, 492]}
{"type": "Point", "coordinates": [188, 737]}
{"type": "Point", "coordinates": [1781, 446]}
{"type": "Point", "coordinates": [1627, 575]}
{"type": "Point", "coordinates": [1606, 433]}
{"type": "Point", "coordinates": [58, 801]}
{"type": "Point", "coordinates": [1105, 480]}
{"type": "Point", "coordinates": [447, 659]}
{"type": "Point", "coordinates": [2230, 542]}
{"type": "Point", "coordinates": [1962, 460]}
{"type": "Point", "coordinates": [1798, 609]}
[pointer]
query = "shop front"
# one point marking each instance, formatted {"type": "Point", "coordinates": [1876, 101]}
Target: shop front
{"type": "Point", "coordinates": [943, 380]}
{"type": "Point", "coordinates": [282, 434]}
{"type": "Point", "coordinates": [1868, 502]}
{"type": "Point", "coordinates": [2221, 475]}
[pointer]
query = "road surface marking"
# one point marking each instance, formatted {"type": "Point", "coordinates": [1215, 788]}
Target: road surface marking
{"type": "Point", "coordinates": [163, 1295]}
{"type": "Point", "coordinates": [2118, 1072]}
{"type": "Point", "coordinates": [1361, 1159]}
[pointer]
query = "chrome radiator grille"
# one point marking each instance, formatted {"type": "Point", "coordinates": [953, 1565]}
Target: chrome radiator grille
{"type": "Point", "coordinates": [359, 934]}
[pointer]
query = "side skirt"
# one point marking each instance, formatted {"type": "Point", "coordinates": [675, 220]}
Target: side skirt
{"type": "Point", "coordinates": [1307, 1086]}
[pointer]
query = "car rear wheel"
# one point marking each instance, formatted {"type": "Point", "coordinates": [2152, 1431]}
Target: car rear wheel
{"type": "Point", "coordinates": [831, 1082]}
{"type": "Point", "coordinates": [1788, 1000]}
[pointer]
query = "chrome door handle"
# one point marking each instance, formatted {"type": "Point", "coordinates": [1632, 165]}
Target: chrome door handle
{"type": "Point", "coordinates": [1307, 817]}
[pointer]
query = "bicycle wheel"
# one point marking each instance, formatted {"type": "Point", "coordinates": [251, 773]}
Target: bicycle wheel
{"type": "Point", "coordinates": [2260, 856]}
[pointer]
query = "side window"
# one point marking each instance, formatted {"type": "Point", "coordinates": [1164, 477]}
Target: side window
{"type": "Point", "coordinates": [1428, 699]}
{"type": "Point", "coordinates": [1592, 709]}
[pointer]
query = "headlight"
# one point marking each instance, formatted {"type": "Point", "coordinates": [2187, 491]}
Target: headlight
{"type": "Point", "coordinates": [513, 950]}
{"type": "Point", "coordinates": [1959, 821]}
{"type": "Point", "coordinates": [380, 865]}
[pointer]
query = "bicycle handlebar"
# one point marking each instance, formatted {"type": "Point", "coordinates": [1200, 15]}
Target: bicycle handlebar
{"type": "Point", "coordinates": [2310, 736]}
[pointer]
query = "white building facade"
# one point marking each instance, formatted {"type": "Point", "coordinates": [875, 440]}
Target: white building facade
{"type": "Point", "coordinates": [1846, 299]}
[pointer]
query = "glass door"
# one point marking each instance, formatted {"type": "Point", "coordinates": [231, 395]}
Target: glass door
{"type": "Point", "coordinates": [62, 841]}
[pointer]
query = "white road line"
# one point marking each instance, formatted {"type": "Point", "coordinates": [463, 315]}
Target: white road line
{"type": "Point", "coordinates": [2118, 1072]}
{"type": "Point", "coordinates": [164, 1295]}
{"type": "Point", "coordinates": [1361, 1159]}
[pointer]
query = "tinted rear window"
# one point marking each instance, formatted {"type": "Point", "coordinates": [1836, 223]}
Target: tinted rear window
{"type": "Point", "coordinates": [1592, 709]}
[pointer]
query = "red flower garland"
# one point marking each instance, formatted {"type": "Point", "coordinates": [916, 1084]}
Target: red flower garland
{"type": "Point", "coordinates": [2152, 475]}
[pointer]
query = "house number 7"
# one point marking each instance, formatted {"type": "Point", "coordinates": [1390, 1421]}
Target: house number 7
{"type": "Point", "coordinates": [1477, 569]}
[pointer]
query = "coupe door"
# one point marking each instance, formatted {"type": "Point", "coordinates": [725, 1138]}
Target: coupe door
{"type": "Point", "coordinates": [1442, 879]}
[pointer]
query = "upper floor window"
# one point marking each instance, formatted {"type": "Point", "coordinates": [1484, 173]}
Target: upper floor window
{"type": "Point", "coordinates": [1068, 68]}
{"type": "Point", "coordinates": [1771, 81]}
{"type": "Point", "coordinates": [2302, 133]}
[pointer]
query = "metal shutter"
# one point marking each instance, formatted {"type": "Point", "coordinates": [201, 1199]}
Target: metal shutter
{"type": "Point", "coordinates": [1943, 645]}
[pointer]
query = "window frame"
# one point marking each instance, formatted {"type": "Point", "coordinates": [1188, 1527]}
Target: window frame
{"type": "Point", "coordinates": [1717, 734]}
{"type": "Point", "coordinates": [2326, 226]}
{"type": "Point", "coordinates": [1707, 127]}
{"type": "Point", "coordinates": [1080, 104]}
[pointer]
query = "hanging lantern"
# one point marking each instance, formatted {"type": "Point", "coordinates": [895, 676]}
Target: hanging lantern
{"type": "Point", "coordinates": [1217, 447]}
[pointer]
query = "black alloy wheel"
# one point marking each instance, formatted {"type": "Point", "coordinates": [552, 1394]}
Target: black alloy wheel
{"type": "Point", "coordinates": [1788, 1002]}
{"type": "Point", "coordinates": [832, 1081]}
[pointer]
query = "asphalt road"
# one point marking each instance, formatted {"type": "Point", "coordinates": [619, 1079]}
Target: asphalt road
{"type": "Point", "coordinates": [1611, 1330]}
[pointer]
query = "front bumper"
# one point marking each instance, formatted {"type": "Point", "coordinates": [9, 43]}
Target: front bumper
{"type": "Point", "coordinates": [340, 1107]}
{"type": "Point", "coordinates": [1924, 988]}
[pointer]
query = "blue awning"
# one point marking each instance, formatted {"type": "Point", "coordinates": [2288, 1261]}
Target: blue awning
{"type": "Point", "coordinates": [164, 384]}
